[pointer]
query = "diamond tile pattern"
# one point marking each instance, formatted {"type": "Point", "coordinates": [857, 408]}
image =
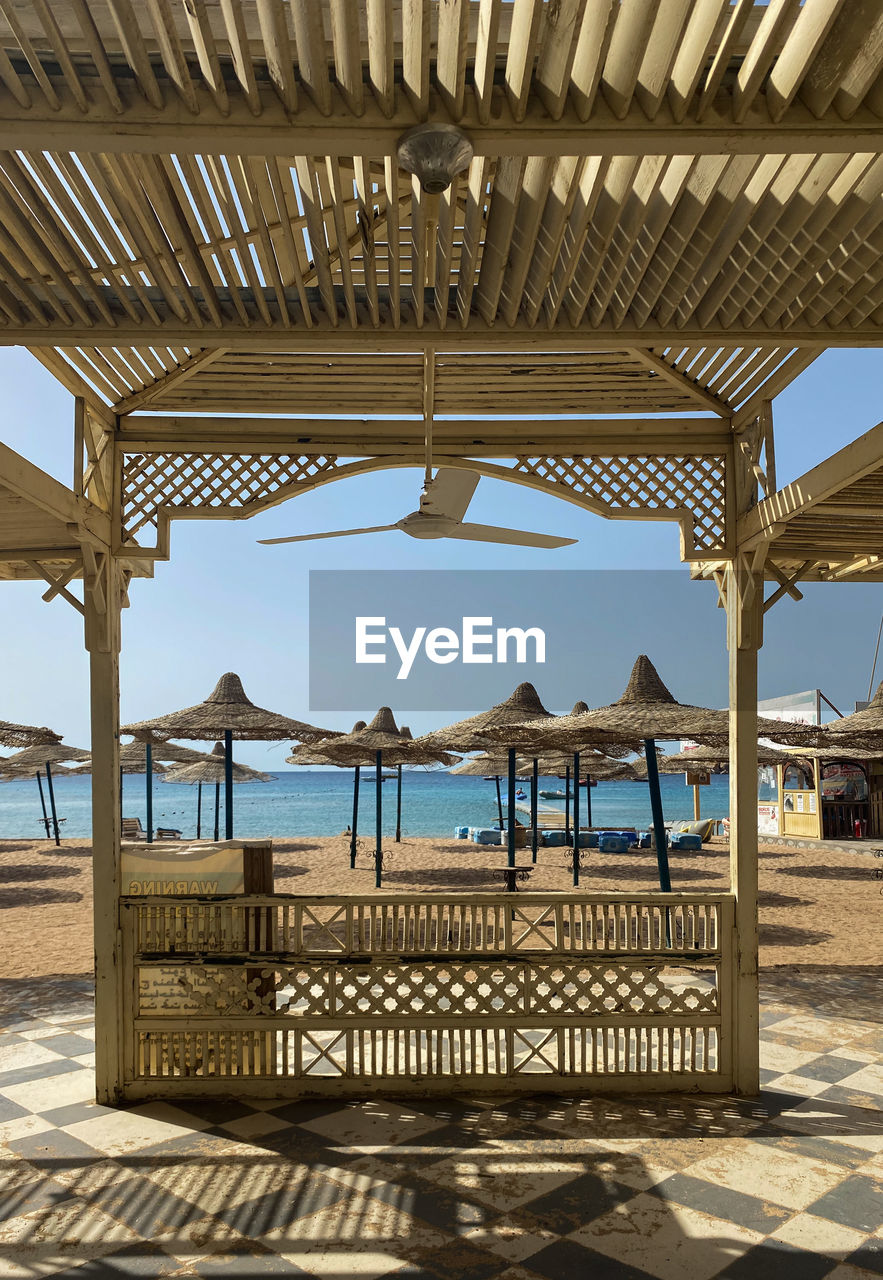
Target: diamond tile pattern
{"type": "Point", "coordinates": [468, 1188]}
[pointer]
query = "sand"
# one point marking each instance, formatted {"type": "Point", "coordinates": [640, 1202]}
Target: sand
{"type": "Point", "coordinates": [818, 909]}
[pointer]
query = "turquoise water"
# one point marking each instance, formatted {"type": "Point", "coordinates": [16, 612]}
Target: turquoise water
{"type": "Point", "coordinates": [305, 802]}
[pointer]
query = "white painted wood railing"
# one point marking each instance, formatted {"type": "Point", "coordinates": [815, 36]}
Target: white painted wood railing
{"type": "Point", "coordinates": [413, 993]}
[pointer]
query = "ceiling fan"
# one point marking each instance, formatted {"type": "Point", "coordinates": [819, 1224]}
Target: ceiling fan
{"type": "Point", "coordinates": [443, 504]}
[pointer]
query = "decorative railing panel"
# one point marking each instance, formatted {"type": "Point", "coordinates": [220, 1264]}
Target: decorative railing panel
{"type": "Point", "coordinates": [308, 995]}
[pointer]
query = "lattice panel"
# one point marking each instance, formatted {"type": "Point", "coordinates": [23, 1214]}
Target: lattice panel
{"type": "Point", "coordinates": [425, 989]}
{"type": "Point", "coordinates": [695, 484]}
{"type": "Point", "coordinates": [212, 480]}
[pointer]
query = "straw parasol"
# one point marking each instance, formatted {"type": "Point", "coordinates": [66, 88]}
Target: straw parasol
{"type": "Point", "coordinates": [228, 713]}
{"type": "Point", "coordinates": [25, 735]}
{"type": "Point", "coordinates": [379, 740]}
{"type": "Point", "coordinates": [314, 755]}
{"type": "Point", "coordinates": [647, 710]}
{"type": "Point", "coordinates": [34, 758]}
{"type": "Point", "coordinates": [862, 728]}
{"type": "Point", "coordinates": [213, 768]}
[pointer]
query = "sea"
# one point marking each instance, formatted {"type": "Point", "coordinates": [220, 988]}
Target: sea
{"type": "Point", "coordinates": [320, 803]}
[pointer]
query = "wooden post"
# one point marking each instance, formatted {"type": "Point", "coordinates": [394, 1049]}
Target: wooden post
{"type": "Point", "coordinates": [103, 601]}
{"type": "Point", "coordinates": [744, 596]}
{"type": "Point", "coordinates": [697, 810]}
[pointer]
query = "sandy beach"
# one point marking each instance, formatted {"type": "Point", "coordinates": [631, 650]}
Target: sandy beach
{"type": "Point", "coordinates": [817, 909]}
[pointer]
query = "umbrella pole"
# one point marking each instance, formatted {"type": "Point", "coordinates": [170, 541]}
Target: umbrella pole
{"type": "Point", "coordinates": [588, 799]}
{"type": "Point", "coordinates": [567, 804]}
{"type": "Point", "coordinates": [576, 820]}
{"type": "Point", "coordinates": [228, 782]}
{"type": "Point", "coordinates": [217, 809]}
{"type": "Point", "coordinates": [43, 805]}
{"type": "Point", "coordinates": [510, 831]}
{"type": "Point", "coordinates": [696, 813]}
{"type": "Point", "coordinates": [199, 810]}
{"type": "Point", "coordinates": [534, 784]}
{"type": "Point", "coordinates": [148, 760]}
{"type": "Point", "coordinates": [378, 800]}
{"type": "Point", "coordinates": [399, 805]}
{"type": "Point", "coordinates": [656, 810]}
{"type": "Point", "coordinates": [51, 790]}
{"type": "Point", "coordinates": [499, 801]}
{"type": "Point", "coordinates": [354, 835]}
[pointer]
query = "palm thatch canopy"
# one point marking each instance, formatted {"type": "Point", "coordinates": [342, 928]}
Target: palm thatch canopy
{"type": "Point", "coordinates": [383, 734]}
{"type": "Point", "coordinates": [647, 709]}
{"type": "Point", "coordinates": [313, 754]}
{"type": "Point", "coordinates": [211, 769]}
{"type": "Point", "coordinates": [593, 764]}
{"type": "Point", "coordinates": [702, 758]}
{"type": "Point", "coordinates": [162, 750]}
{"type": "Point", "coordinates": [489, 765]}
{"type": "Point", "coordinates": [228, 709]}
{"type": "Point", "coordinates": [861, 727]}
{"type": "Point", "coordinates": [473, 733]}
{"type": "Point", "coordinates": [25, 735]}
{"type": "Point", "coordinates": [35, 757]}
{"type": "Point", "coordinates": [9, 771]}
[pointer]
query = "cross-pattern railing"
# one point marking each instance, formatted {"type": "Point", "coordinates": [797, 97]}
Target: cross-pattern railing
{"type": "Point", "coordinates": [284, 995]}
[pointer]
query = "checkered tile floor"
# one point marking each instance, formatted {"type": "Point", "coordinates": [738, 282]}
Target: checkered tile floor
{"type": "Point", "coordinates": [788, 1186]}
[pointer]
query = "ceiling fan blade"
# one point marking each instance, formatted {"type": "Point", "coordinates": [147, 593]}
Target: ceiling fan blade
{"type": "Point", "coordinates": [512, 537]}
{"type": "Point", "coordinates": [337, 533]}
{"type": "Point", "coordinates": [450, 493]}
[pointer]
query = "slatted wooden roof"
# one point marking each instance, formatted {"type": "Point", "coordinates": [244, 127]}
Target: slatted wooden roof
{"type": "Point", "coordinates": [656, 184]}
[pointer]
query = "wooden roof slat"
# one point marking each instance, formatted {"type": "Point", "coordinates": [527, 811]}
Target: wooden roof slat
{"type": "Point", "coordinates": [220, 246]}
{"type": "Point", "coordinates": [346, 44]}
{"type": "Point", "coordinates": [477, 179]}
{"type": "Point", "coordinates": [132, 40]}
{"type": "Point", "coordinates": [391, 187]}
{"type": "Point", "coordinates": [563, 191]}
{"type": "Point", "coordinates": [498, 235]}
{"type": "Point", "coordinates": [246, 192]}
{"type": "Point", "coordinates": [723, 235]}
{"type": "Point", "coordinates": [663, 45]}
{"type": "Point", "coordinates": [591, 184]}
{"type": "Point", "coordinates": [341, 234]}
{"type": "Point", "coordinates": [855, 29]}
{"type": "Point", "coordinates": [863, 77]}
{"type": "Point", "coordinates": [744, 264]}
{"type": "Point", "coordinates": [805, 39]}
{"type": "Point", "coordinates": [592, 45]}
{"type": "Point", "coordinates": [444, 255]}
{"type": "Point", "coordinates": [419, 202]}
{"type": "Point", "coordinates": [415, 54]}
{"type": "Point", "coordinates": [312, 62]}
{"type": "Point", "coordinates": [561, 24]}
{"type": "Point", "coordinates": [761, 53]}
{"type": "Point", "coordinates": [535, 184]}
{"type": "Point", "coordinates": [633, 232]}
{"type": "Point", "coordinates": [308, 185]}
{"type": "Point", "coordinates": [222, 194]}
{"type": "Point", "coordinates": [265, 176]}
{"type": "Point", "coordinates": [521, 53]}
{"type": "Point", "coordinates": [450, 72]}
{"type": "Point", "coordinates": [272, 16]}
{"type": "Point", "coordinates": [207, 53]}
{"type": "Point", "coordinates": [173, 56]}
{"type": "Point", "coordinates": [696, 45]}
{"type": "Point", "coordinates": [59, 47]}
{"type": "Point", "coordinates": [7, 8]}
{"type": "Point", "coordinates": [381, 53]}
{"type": "Point", "coordinates": [485, 55]}
{"type": "Point", "coordinates": [237, 40]}
{"type": "Point", "coordinates": [612, 198]}
{"type": "Point", "coordinates": [740, 14]}
{"type": "Point", "coordinates": [628, 45]}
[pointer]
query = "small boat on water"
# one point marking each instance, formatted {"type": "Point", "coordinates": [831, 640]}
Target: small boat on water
{"type": "Point", "coordinates": [552, 795]}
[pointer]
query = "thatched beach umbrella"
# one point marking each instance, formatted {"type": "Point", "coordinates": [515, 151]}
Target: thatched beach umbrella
{"type": "Point", "coordinates": [314, 755]}
{"type": "Point", "coordinates": [383, 739]}
{"type": "Point", "coordinates": [647, 710]}
{"type": "Point", "coordinates": [140, 755]}
{"type": "Point", "coordinates": [32, 759]}
{"type": "Point", "coordinates": [212, 768]}
{"type": "Point", "coordinates": [25, 735]}
{"type": "Point", "coordinates": [493, 765]}
{"type": "Point", "coordinates": [862, 728]}
{"type": "Point", "coordinates": [228, 713]}
{"type": "Point", "coordinates": [503, 719]}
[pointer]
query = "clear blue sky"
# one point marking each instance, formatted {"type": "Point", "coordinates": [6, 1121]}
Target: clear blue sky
{"type": "Point", "coordinates": [224, 603]}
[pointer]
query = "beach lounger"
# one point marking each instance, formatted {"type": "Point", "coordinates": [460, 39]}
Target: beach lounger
{"type": "Point", "coordinates": [168, 833]}
{"type": "Point", "coordinates": [132, 829]}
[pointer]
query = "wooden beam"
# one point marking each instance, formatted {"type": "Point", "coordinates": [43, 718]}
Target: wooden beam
{"type": "Point", "coordinates": [675, 379]}
{"type": "Point", "coordinates": [48, 494]}
{"type": "Point", "coordinates": [521, 336]}
{"type": "Point", "coordinates": [155, 391]}
{"type": "Point", "coordinates": [311, 130]}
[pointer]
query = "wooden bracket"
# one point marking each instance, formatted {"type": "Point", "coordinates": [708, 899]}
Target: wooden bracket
{"type": "Point", "coordinates": [787, 584]}
{"type": "Point", "coordinates": [58, 585]}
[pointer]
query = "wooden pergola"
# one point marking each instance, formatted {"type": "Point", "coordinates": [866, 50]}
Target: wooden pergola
{"type": "Point", "coordinates": [671, 208]}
